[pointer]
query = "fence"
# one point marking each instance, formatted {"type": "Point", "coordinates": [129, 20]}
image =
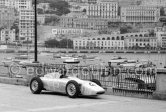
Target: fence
{"type": "Point", "coordinates": [138, 82]}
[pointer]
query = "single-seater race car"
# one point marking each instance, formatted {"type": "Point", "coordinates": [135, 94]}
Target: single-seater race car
{"type": "Point", "coordinates": [72, 86]}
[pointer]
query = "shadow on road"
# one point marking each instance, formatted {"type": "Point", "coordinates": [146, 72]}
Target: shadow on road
{"type": "Point", "coordinates": [61, 94]}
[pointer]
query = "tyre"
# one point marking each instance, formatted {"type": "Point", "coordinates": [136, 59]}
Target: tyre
{"type": "Point", "coordinates": [72, 89]}
{"type": "Point", "coordinates": [36, 85]}
{"type": "Point", "coordinates": [96, 81]}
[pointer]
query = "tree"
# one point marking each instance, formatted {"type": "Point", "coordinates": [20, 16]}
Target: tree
{"type": "Point", "coordinates": [125, 29]}
{"type": "Point", "coordinates": [84, 10]}
{"type": "Point", "coordinates": [103, 31]}
{"type": "Point", "coordinates": [139, 2]}
{"type": "Point", "coordinates": [61, 6]}
{"type": "Point", "coordinates": [51, 43]}
{"type": "Point", "coordinates": [162, 12]}
{"type": "Point", "coordinates": [51, 20]}
{"type": "Point", "coordinates": [64, 43]}
{"type": "Point", "coordinates": [16, 27]}
{"type": "Point", "coordinates": [152, 33]}
{"type": "Point", "coordinates": [119, 9]}
{"type": "Point", "coordinates": [40, 11]}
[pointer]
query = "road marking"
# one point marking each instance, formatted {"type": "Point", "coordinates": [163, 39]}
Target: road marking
{"type": "Point", "coordinates": [64, 107]}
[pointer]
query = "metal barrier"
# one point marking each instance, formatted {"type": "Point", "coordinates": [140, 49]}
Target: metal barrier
{"type": "Point", "coordinates": [121, 81]}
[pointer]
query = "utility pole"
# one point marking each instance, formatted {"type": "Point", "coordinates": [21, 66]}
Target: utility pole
{"type": "Point", "coordinates": [35, 39]}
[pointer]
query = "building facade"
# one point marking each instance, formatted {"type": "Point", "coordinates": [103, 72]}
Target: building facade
{"type": "Point", "coordinates": [161, 37]}
{"type": "Point", "coordinates": [104, 9]}
{"type": "Point", "coordinates": [116, 42]}
{"type": "Point", "coordinates": [84, 23]}
{"type": "Point", "coordinates": [8, 35]}
{"type": "Point", "coordinates": [17, 4]}
{"type": "Point", "coordinates": [99, 42]}
{"type": "Point", "coordinates": [7, 16]}
{"type": "Point", "coordinates": [158, 3]}
{"type": "Point", "coordinates": [145, 42]}
{"type": "Point", "coordinates": [92, 1]}
{"type": "Point", "coordinates": [140, 14]}
{"type": "Point", "coordinates": [26, 24]}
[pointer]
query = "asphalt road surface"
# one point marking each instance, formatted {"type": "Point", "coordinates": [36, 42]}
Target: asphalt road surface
{"type": "Point", "coordinates": [19, 99]}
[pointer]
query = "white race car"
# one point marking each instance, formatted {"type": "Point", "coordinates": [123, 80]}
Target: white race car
{"type": "Point", "coordinates": [72, 86]}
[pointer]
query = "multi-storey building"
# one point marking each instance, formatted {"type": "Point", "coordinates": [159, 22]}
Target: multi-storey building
{"type": "Point", "coordinates": [118, 41]}
{"type": "Point", "coordinates": [26, 24]}
{"type": "Point", "coordinates": [161, 37]}
{"type": "Point", "coordinates": [99, 42]}
{"type": "Point", "coordinates": [84, 23]}
{"type": "Point", "coordinates": [17, 4]}
{"type": "Point", "coordinates": [8, 35]}
{"type": "Point", "coordinates": [103, 9]}
{"type": "Point", "coordinates": [7, 16]}
{"type": "Point", "coordinates": [140, 14]}
{"type": "Point", "coordinates": [158, 3]}
{"type": "Point", "coordinates": [141, 42]}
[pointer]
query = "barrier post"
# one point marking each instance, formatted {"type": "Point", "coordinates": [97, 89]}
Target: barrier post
{"type": "Point", "coordinates": [160, 92]}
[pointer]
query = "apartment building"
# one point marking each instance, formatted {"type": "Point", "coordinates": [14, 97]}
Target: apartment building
{"type": "Point", "coordinates": [99, 42]}
{"type": "Point", "coordinates": [17, 4]}
{"type": "Point", "coordinates": [7, 16]}
{"type": "Point", "coordinates": [140, 14]}
{"type": "Point", "coordinates": [158, 3]}
{"type": "Point", "coordinates": [7, 35]}
{"type": "Point", "coordinates": [144, 41]}
{"type": "Point", "coordinates": [84, 23]}
{"type": "Point", "coordinates": [161, 36]}
{"type": "Point", "coordinates": [26, 24]}
{"type": "Point", "coordinates": [104, 9]}
{"type": "Point", "coordinates": [117, 41]}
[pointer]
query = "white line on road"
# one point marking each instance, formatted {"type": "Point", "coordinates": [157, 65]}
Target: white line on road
{"type": "Point", "coordinates": [64, 107]}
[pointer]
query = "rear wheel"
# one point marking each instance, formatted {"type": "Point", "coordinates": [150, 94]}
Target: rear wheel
{"type": "Point", "coordinates": [96, 81]}
{"type": "Point", "coordinates": [72, 89]}
{"type": "Point", "coordinates": [36, 85]}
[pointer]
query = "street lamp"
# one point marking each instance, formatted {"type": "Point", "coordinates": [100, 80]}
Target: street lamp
{"type": "Point", "coordinates": [35, 39]}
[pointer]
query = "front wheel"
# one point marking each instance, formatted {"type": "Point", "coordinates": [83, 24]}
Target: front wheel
{"type": "Point", "coordinates": [72, 89]}
{"type": "Point", "coordinates": [36, 85]}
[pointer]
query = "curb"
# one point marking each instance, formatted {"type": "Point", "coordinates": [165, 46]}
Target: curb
{"type": "Point", "coordinates": [13, 81]}
{"type": "Point", "coordinates": [159, 95]}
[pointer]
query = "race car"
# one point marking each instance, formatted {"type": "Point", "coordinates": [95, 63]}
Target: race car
{"type": "Point", "coordinates": [72, 86]}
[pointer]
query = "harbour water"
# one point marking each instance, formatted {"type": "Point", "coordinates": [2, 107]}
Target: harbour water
{"type": "Point", "coordinates": [101, 58]}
